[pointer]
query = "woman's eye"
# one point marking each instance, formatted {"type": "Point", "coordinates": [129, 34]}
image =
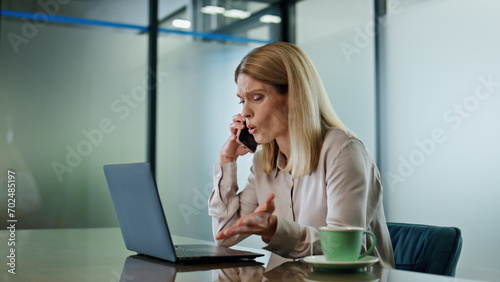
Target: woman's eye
{"type": "Point", "coordinates": [258, 97]}
{"type": "Point", "coordinates": [241, 102]}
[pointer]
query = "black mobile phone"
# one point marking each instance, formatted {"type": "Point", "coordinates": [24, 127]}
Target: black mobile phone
{"type": "Point", "coordinates": [247, 139]}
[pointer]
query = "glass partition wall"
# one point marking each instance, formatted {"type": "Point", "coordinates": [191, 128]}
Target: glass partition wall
{"type": "Point", "coordinates": [72, 98]}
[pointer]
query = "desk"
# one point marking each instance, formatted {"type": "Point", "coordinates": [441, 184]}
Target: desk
{"type": "Point", "coordinates": [99, 254]}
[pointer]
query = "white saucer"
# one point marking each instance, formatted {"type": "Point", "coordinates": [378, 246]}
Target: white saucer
{"type": "Point", "coordinates": [322, 263]}
{"type": "Point", "coordinates": [341, 276]}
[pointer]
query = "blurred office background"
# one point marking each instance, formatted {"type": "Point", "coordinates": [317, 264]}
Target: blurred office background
{"type": "Point", "coordinates": [417, 80]}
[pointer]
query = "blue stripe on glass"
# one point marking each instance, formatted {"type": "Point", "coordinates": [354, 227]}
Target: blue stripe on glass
{"type": "Point", "coordinates": [80, 21]}
{"type": "Point", "coordinates": [70, 20]}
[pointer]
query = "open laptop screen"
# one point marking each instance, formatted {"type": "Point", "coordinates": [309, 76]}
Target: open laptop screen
{"type": "Point", "coordinates": [139, 210]}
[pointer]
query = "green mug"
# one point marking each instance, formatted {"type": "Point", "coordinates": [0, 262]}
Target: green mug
{"type": "Point", "coordinates": [344, 243]}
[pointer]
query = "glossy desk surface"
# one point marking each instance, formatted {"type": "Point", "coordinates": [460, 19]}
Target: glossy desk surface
{"type": "Point", "coordinates": [99, 254]}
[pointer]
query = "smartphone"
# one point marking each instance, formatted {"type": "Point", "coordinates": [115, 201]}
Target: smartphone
{"type": "Point", "coordinates": [247, 139]}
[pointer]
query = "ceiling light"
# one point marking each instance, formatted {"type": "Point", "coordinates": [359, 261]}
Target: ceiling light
{"type": "Point", "coordinates": [237, 14]}
{"type": "Point", "coordinates": [181, 23]}
{"type": "Point", "coordinates": [213, 10]}
{"type": "Point", "coordinates": [270, 19]}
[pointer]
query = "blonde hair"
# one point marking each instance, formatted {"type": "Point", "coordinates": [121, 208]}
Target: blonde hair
{"type": "Point", "coordinates": [310, 114]}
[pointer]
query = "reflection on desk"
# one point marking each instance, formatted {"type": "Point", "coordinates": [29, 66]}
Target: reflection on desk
{"type": "Point", "coordinates": [144, 268]}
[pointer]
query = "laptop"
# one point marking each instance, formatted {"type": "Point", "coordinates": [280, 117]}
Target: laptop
{"type": "Point", "coordinates": [142, 220]}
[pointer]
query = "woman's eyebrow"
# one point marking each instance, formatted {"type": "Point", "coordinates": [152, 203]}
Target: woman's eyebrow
{"type": "Point", "coordinates": [253, 91]}
{"type": "Point", "coordinates": [250, 92]}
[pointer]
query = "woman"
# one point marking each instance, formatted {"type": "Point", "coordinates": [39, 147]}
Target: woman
{"type": "Point", "coordinates": [310, 171]}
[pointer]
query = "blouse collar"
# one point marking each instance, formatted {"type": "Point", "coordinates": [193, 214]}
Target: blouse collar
{"type": "Point", "coordinates": [281, 163]}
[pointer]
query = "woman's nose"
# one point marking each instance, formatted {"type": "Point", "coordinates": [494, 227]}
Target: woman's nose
{"type": "Point", "coordinates": [246, 111]}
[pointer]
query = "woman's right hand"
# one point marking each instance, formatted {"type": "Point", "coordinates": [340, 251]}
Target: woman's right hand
{"type": "Point", "coordinates": [232, 149]}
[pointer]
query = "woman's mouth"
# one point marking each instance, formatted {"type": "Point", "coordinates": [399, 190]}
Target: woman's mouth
{"type": "Point", "coordinates": [251, 129]}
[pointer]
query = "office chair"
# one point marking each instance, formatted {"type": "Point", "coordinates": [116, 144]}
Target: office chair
{"type": "Point", "coordinates": [424, 248]}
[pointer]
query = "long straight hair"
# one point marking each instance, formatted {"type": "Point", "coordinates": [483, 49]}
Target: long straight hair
{"type": "Point", "coordinates": [310, 114]}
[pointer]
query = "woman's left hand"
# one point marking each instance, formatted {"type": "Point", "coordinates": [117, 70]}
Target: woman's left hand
{"type": "Point", "coordinates": [260, 222]}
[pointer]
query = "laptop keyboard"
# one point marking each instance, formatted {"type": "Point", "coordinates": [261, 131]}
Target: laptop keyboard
{"type": "Point", "coordinates": [188, 252]}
